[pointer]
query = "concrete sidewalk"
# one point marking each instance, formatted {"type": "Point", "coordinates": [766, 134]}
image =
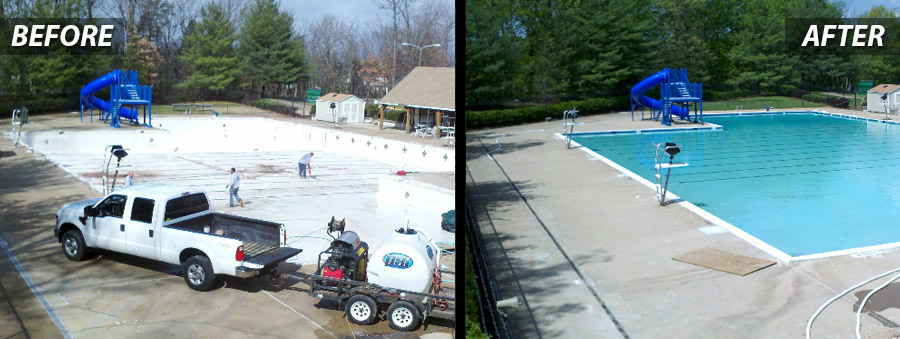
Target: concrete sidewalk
{"type": "Point", "coordinates": [619, 242]}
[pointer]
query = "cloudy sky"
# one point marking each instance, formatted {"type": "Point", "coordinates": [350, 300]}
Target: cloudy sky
{"type": "Point", "coordinates": [364, 10]}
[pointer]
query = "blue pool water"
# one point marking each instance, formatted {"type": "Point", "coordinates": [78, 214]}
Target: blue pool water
{"type": "Point", "coordinates": [803, 183]}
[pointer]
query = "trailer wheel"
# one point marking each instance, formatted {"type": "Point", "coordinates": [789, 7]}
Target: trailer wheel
{"type": "Point", "coordinates": [361, 309]}
{"type": "Point", "coordinates": [73, 245]}
{"type": "Point", "coordinates": [198, 273]}
{"type": "Point", "coordinates": [403, 316]}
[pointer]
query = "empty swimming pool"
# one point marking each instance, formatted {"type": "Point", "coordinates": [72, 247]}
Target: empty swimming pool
{"type": "Point", "coordinates": [807, 184]}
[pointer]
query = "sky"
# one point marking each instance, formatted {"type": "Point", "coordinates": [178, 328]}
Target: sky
{"type": "Point", "coordinates": [861, 6]}
{"type": "Point", "coordinates": [305, 10]}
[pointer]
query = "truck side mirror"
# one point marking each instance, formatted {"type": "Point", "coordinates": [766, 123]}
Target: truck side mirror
{"type": "Point", "coordinates": [89, 211]}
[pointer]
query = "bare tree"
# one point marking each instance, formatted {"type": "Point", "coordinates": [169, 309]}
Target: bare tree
{"type": "Point", "coordinates": [399, 10]}
{"type": "Point", "coordinates": [325, 49]}
{"type": "Point", "coordinates": [233, 9]}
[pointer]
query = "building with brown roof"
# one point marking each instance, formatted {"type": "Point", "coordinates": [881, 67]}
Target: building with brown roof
{"type": "Point", "coordinates": [891, 95]}
{"type": "Point", "coordinates": [428, 95]}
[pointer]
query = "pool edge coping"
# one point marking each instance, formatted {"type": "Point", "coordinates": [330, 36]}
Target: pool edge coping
{"type": "Point", "coordinates": [771, 250]}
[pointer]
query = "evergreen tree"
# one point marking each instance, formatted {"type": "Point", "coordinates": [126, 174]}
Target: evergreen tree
{"type": "Point", "coordinates": [820, 71]}
{"type": "Point", "coordinates": [682, 43]}
{"type": "Point", "coordinates": [879, 68]}
{"type": "Point", "coordinates": [758, 54]}
{"type": "Point", "coordinates": [604, 46]}
{"type": "Point", "coordinates": [271, 52]}
{"type": "Point", "coordinates": [56, 72]}
{"type": "Point", "coordinates": [209, 51]}
{"type": "Point", "coordinates": [491, 51]}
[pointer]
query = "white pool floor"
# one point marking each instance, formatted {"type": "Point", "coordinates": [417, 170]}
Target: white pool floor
{"type": "Point", "coordinates": [341, 186]}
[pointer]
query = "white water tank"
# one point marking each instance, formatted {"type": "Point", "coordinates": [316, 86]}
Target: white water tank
{"type": "Point", "coordinates": [404, 260]}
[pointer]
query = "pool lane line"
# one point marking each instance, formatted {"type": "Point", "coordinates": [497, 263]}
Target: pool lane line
{"type": "Point", "coordinates": [874, 151]}
{"type": "Point", "coordinates": [298, 313]}
{"type": "Point", "coordinates": [787, 174]}
{"type": "Point", "coordinates": [34, 289]}
{"type": "Point", "coordinates": [765, 141]}
{"type": "Point", "coordinates": [742, 167]}
{"type": "Point", "coordinates": [565, 254]}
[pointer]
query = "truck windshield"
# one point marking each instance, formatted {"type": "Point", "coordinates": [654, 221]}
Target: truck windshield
{"type": "Point", "coordinates": [186, 205]}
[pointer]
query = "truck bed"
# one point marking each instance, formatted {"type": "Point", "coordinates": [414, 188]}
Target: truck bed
{"type": "Point", "coordinates": [258, 236]}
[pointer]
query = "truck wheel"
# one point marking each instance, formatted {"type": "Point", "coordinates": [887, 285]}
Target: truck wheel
{"type": "Point", "coordinates": [73, 245]}
{"type": "Point", "coordinates": [198, 273]}
{"type": "Point", "coordinates": [403, 316]}
{"type": "Point", "coordinates": [361, 309]}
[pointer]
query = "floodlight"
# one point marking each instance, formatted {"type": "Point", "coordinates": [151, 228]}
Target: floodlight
{"type": "Point", "coordinates": [119, 152]}
{"type": "Point", "coordinates": [672, 150]}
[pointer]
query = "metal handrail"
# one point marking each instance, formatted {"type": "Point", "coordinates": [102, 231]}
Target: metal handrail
{"type": "Point", "coordinates": [569, 127]}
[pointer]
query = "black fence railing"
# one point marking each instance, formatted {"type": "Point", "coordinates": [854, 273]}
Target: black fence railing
{"type": "Point", "coordinates": [493, 322]}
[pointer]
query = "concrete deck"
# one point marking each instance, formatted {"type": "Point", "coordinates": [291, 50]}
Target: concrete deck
{"type": "Point", "coordinates": [573, 238]}
{"type": "Point", "coordinates": [115, 295]}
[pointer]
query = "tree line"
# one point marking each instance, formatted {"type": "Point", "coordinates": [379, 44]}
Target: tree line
{"type": "Point", "coordinates": [555, 50]}
{"type": "Point", "coordinates": [236, 49]}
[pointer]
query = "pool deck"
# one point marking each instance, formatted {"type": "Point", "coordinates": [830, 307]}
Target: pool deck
{"type": "Point", "coordinates": [572, 237]}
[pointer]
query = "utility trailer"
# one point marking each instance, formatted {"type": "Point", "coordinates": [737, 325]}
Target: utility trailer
{"type": "Point", "coordinates": [362, 301]}
{"type": "Point", "coordinates": [342, 276]}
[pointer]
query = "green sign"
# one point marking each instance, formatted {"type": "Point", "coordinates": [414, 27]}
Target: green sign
{"type": "Point", "coordinates": [313, 94]}
{"type": "Point", "coordinates": [865, 86]}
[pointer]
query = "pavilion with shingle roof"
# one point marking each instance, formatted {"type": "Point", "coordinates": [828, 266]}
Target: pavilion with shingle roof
{"type": "Point", "coordinates": [427, 93]}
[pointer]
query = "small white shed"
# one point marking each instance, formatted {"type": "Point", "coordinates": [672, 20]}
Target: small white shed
{"type": "Point", "coordinates": [874, 95]}
{"type": "Point", "coordinates": [347, 106]}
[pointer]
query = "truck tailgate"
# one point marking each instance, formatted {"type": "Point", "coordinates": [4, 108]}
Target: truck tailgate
{"type": "Point", "coordinates": [272, 258]}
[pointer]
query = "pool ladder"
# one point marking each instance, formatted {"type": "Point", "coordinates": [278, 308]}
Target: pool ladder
{"type": "Point", "coordinates": [569, 127]}
{"type": "Point", "coordinates": [19, 118]}
{"type": "Point", "coordinates": [662, 187]}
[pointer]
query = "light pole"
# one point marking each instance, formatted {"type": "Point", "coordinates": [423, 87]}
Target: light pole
{"type": "Point", "coordinates": [420, 49]}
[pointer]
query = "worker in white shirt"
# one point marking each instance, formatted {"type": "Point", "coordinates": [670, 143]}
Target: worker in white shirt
{"type": "Point", "coordinates": [234, 184]}
{"type": "Point", "coordinates": [304, 164]}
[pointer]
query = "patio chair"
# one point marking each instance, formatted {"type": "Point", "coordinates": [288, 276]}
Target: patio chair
{"type": "Point", "coordinates": [429, 132]}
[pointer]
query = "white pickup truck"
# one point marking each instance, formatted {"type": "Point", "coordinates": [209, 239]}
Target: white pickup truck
{"type": "Point", "coordinates": [173, 225]}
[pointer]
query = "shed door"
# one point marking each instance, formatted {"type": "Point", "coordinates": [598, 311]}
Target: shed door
{"type": "Point", "coordinates": [896, 101]}
{"type": "Point", "coordinates": [351, 111]}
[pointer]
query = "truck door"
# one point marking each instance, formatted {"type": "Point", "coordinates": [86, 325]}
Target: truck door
{"type": "Point", "coordinates": [108, 227]}
{"type": "Point", "coordinates": [139, 230]}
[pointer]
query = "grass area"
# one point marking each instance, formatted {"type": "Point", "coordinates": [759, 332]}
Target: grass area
{"type": "Point", "coordinates": [759, 103]}
{"type": "Point", "coordinates": [223, 107]}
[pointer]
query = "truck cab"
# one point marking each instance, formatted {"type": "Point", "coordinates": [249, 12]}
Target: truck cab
{"type": "Point", "coordinates": [174, 225]}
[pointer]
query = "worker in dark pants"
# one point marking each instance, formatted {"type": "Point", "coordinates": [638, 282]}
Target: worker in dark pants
{"type": "Point", "coordinates": [304, 163]}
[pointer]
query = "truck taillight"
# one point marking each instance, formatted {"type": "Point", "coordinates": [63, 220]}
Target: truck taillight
{"type": "Point", "coordinates": [239, 254]}
{"type": "Point", "coordinates": [284, 236]}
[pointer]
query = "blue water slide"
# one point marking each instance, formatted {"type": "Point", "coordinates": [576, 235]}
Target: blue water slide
{"type": "Point", "coordinates": [111, 78]}
{"type": "Point", "coordinates": [637, 92]}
